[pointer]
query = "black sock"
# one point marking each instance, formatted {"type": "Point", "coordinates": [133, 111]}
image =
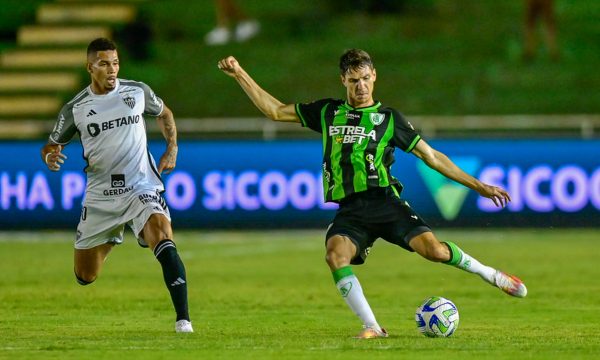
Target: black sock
{"type": "Point", "coordinates": [174, 275]}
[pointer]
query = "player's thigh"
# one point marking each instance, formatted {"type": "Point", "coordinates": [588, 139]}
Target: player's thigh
{"type": "Point", "coordinates": [100, 223]}
{"type": "Point", "coordinates": [345, 229]}
{"type": "Point", "coordinates": [88, 262]}
{"type": "Point", "coordinates": [150, 218]}
{"type": "Point", "coordinates": [157, 228]}
{"type": "Point", "coordinates": [406, 226]}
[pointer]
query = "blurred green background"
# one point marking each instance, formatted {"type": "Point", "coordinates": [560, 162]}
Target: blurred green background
{"type": "Point", "coordinates": [433, 57]}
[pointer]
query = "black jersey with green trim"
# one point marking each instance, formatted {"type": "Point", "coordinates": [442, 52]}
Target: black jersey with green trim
{"type": "Point", "coordinates": [358, 144]}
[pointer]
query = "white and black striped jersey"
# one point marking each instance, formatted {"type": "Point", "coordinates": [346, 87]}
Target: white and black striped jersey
{"type": "Point", "coordinates": [112, 131]}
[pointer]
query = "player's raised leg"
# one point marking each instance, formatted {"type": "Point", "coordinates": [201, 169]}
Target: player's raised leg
{"type": "Point", "coordinates": [340, 251]}
{"type": "Point", "coordinates": [88, 262]}
{"type": "Point", "coordinates": [449, 253]}
{"type": "Point", "coordinates": [157, 233]}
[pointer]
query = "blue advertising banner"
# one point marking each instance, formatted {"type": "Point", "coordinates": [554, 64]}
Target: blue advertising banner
{"type": "Point", "coordinates": [256, 184]}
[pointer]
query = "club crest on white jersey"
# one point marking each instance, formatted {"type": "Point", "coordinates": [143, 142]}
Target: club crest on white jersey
{"type": "Point", "coordinates": [113, 134]}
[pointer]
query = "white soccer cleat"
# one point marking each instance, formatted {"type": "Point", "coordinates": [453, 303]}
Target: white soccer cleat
{"type": "Point", "coordinates": [371, 333]}
{"type": "Point", "coordinates": [218, 36]}
{"type": "Point", "coordinates": [183, 326]}
{"type": "Point", "coordinates": [510, 284]}
{"type": "Point", "coordinates": [246, 30]}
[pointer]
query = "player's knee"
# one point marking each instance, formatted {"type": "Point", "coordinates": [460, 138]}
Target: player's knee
{"type": "Point", "coordinates": [436, 252]}
{"type": "Point", "coordinates": [337, 255]}
{"type": "Point", "coordinates": [430, 248]}
{"type": "Point", "coordinates": [85, 279]}
{"type": "Point", "coordinates": [334, 259]}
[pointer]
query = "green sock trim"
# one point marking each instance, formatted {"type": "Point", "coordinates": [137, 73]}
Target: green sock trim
{"type": "Point", "coordinates": [342, 273]}
{"type": "Point", "coordinates": [455, 253]}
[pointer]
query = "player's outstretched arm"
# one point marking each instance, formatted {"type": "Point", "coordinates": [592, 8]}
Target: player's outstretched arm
{"type": "Point", "coordinates": [52, 156]}
{"type": "Point", "coordinates": [166, 122]}
{"type": "Point", "coordinates": [442, 164]}
{"type": "Point", "coordinates": [265, 102]}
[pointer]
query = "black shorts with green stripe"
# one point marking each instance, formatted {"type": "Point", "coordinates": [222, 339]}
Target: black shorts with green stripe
{"type": "Point", "coordinates": [376, 213]}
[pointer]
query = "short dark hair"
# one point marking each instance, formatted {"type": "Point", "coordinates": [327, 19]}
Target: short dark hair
{"type": "Point", "coordinates": [100, 44]}
{"type": "Point", "coordinates": [354, 59]}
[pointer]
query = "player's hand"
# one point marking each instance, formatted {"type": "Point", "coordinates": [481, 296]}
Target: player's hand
{"type": "Point", "coordinates": [498, 195]}
{"type": "Point", "coordinates": [53, 157]}
{"type": "Point", "coordinates": [229, 66]}
{"type": "Point", "coordinates": [168, 160]}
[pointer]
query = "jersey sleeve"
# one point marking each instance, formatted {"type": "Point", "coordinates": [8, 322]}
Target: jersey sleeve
{"type": "Point", "coordinates": [405, 135]}
{"type": "Point", "coordinates": [64, 128]}
{"type": "Point", "coordinates": [310, 114]}
{"type": "Point", "coordinates": [153, 104]}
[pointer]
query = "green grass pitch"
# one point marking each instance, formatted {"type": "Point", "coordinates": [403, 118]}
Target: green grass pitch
{"type": "Point", "coordinates": [269, 295]}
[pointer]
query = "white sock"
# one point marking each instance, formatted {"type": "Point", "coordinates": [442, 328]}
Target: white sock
{"type": "Point", "coordinates": [462, 260]}
{"type": "Point", "coordinates": [352, 292]}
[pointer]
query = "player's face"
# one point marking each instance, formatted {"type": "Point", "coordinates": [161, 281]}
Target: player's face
{"type": "Point", "coordinates": [359, 85]}
{"type": "Point", "coordinates": [104, 69]}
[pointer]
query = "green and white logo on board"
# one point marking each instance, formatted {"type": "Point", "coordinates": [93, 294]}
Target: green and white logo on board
{"type": "Point", "coordinates": [449, 196]}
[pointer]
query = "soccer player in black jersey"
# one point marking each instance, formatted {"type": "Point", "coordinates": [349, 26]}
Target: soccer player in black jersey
{"type": "Point", "coordinates": [359, 137]}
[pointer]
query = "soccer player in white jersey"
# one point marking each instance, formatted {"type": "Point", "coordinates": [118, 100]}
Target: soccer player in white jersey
{"type": "Point", "coordinates": [123, 182]}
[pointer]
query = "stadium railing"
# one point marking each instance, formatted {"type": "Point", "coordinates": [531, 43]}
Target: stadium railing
{"type": "Point", "coordinates": [519, 126]}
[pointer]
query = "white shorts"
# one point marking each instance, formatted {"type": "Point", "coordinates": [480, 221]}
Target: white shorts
{"type": "Point", "coordinates": [103, 221]}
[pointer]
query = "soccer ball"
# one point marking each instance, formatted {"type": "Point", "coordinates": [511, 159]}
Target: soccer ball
{"type": "Point", "coordinates": [437, 317]}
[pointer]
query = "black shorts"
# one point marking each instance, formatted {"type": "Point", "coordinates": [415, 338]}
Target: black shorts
{"type": "Point", "coordinates": [376, 213]}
